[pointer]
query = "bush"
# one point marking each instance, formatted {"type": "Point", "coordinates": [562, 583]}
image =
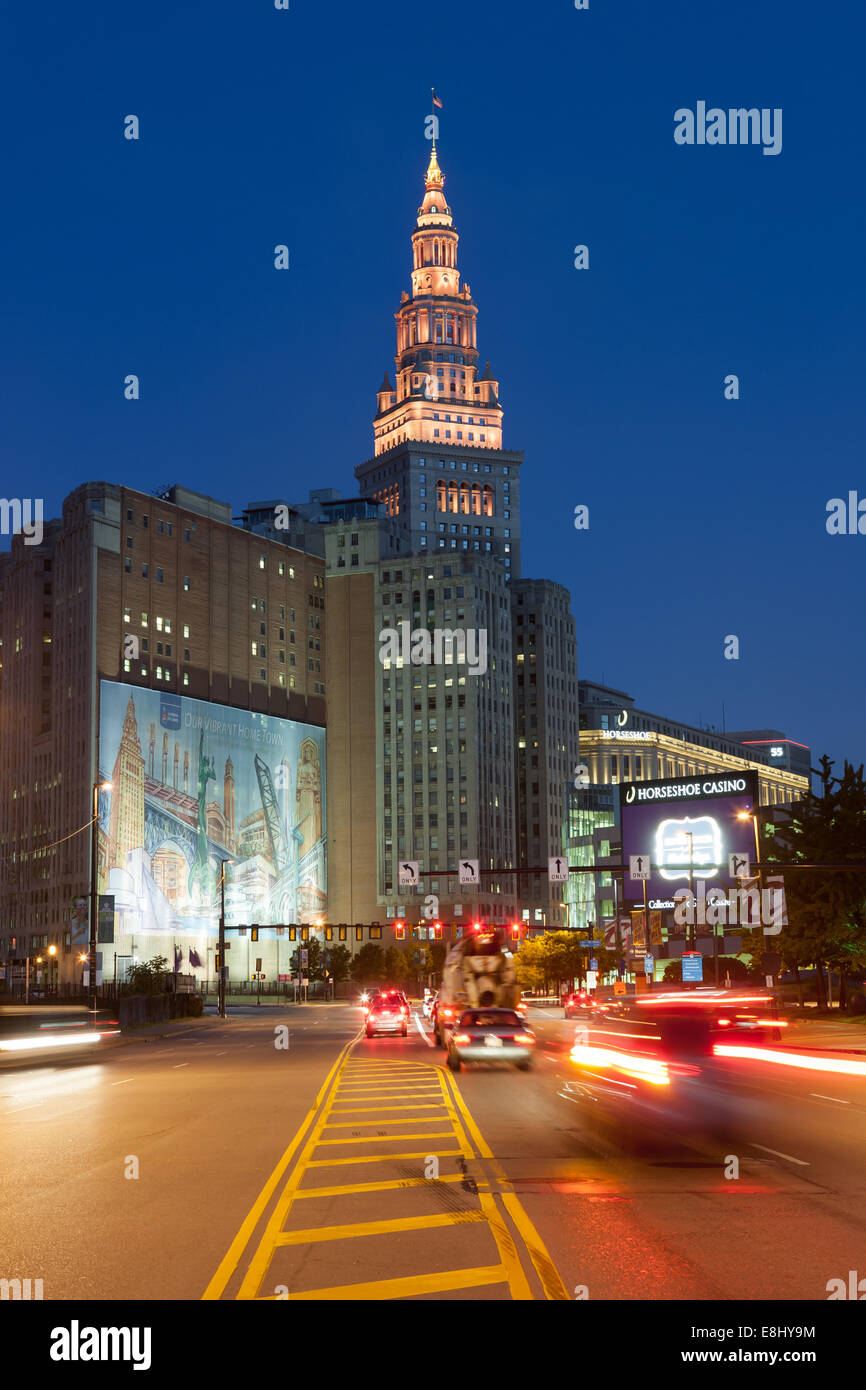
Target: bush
{"type": "Point", "coordinates": [857, 1004]}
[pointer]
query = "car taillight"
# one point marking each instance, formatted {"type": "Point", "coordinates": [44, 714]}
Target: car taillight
{"type": "Point", "coordinates": [462, 1038]}
{"type": "Point", "coordinates": [524, 1038]}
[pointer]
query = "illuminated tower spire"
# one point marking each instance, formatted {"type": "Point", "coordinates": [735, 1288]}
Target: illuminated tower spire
{"type": "Point", "coordinates": [437, 395]}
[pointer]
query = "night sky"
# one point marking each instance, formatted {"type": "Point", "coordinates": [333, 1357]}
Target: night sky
{"type": "Point", "coordinates": [306, 126]}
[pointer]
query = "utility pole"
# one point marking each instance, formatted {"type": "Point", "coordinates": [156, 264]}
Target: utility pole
{"type": "Point", "coordinates": [221, 982]}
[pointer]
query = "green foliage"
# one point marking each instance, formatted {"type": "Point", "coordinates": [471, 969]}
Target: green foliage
{"type": "Point", "coordinates": [148, 977]}
{"type": "Point", "coordinates": [438, 951]}
{"type": "Point", "coordinates": [315, 967]}
{"type": "Point", "coordinates": [826, 911]}
{"type": "Point", "coordinates": [368, 966]}
{"type": "Point", "coordinates": [556, 958]}
{"type": "Point", "coordinates": [339, 961]}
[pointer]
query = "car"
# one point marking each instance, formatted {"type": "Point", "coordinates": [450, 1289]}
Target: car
{"type": "Point", "coordinates": [581, 1001]}
{"type": "Point", "coordinates": [429, 1003]}
{"type": "Point", "coordinates": [488, 1035]}
{"type": "Point", "coordinates": [388, 1013]}
{"type": "Point", "coordinates": [668, 1055]}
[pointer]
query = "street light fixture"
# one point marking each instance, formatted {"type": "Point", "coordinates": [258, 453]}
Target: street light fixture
{"type": "Point", "coordinates": [94, 897]}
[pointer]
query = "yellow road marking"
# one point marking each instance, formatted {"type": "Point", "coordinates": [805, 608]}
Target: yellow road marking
{"type": "Point", "coordinates": [229, 1263]}
{"type": "Point", "coordinates": [414, 1284]}
{"type": "Point", "coordinates": [544, 1267]}
{"type": "Point", "coordinates": [380, 1228]}
{"type": "Point", "coordinates": [385, 1158]}
{"type": "Point", "coordinates": [393, 1120]}
{"type": "Point", "coordinates": [352, 1187]}
{"type": "Point", "coordinates": [386, 1138]}
{"type": "Point", "coordinates": [348, 1083]}
{"type": "Point", "coordinates": [386, 1105]}
{"type": "Point", "coordinates": [517, 1280]}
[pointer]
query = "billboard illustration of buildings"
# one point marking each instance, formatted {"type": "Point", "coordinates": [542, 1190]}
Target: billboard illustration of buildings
{"type": "Point", "coordinates": [195, 785]}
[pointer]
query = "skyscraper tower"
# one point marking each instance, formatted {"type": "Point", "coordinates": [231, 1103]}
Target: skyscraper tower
{"type": "Point", "coordinates": [438, 464]}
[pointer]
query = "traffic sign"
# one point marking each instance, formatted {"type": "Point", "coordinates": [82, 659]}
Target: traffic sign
{"type": "Point", "coordinates": [407, 873]}
{"type": "Point", "coordinates": [305, 956]}
{"type": "Point", "coordinates": [591, 979]}
{"type": "Point", "coordinates": [557, 869]}
{"type": "Point", "coordinates": [619, 987]}
{"type": "Point", "coordinates": [593, 964]}
{"type": "Point", "coordinates": [648, 964]}
{"type": "Point", "coordinates": [638, 866]}
{"type": "Point", "coordinates": [693, 966]}
{"type": "Point", "coordinates": [593, 941]}
{"type": "Point", "coordinates": [738, 866]}
{"type": "Point", "coordinates": [469, 871]}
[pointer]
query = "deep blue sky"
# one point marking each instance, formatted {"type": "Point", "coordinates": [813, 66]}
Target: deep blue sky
{"type": "Point", "coordinates": [307, 127]}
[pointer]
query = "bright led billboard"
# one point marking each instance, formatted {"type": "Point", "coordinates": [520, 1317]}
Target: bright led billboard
{"type": "Point", "coordinates": [195, 785]}
{"type": "Point", "coordinates": [687, 817]}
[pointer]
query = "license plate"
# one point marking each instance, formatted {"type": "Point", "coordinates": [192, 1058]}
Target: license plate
{"type": "Point", "coordinates": [492, 1041]}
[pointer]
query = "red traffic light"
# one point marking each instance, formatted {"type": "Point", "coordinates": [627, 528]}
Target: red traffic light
{"type": "Point", "coordinates": [515, 931]}
{"type": "Point", "coordinates": [437, 930]}
{"type": "Point", "coordinates": [400, 928]}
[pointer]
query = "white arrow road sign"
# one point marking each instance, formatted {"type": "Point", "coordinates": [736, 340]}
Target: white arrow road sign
{"type": "Point", "coordinates": [638, 866]}
{"type": "Point", "coordinates": [469, 871]}
{"type": "Point", "coordinates": [738, 865]}
{"type": "Point", "coordinates": [407, 873]}
{"type": "Point", "coordinates": [557, 869]}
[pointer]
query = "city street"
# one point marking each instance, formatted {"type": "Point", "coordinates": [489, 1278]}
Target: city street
{"type": "Point", "coordinates": [341, 1167]}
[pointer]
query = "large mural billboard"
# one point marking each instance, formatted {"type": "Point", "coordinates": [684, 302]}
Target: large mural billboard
{"type": "Point", "coordinates": [195, 786]}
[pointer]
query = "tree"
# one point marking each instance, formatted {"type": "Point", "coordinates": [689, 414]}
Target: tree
{"type": "Point", "coordinates": [826, 911]}
{"type": "Point", "coordinates": [438, 950]}
{"type": "Point", "coordinates": [339, 958]}
{"type": "Point", "coordinates": [395, 965]}
{"type": "Point", "coordinates": [529, 964]}
{"type": "Point", "coordinates": [147, 977]}
{"type": "Point", "coordinates": [367, 966]}
{"type": "Point", "coordinates": [314, 969]}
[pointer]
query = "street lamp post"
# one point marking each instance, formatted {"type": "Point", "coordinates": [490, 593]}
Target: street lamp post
{"type": "Point", "coordinates": [94, 897]}
{"type": "Point", "coordinates": [221, 982]}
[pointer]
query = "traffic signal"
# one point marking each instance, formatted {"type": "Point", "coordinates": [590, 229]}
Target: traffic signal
{"type": "Point", "coordinates": [515, 931]}
{"type": "Point", "coordinates": [400, 929]}
{"type": "Point", "coordinates": [437, 931]}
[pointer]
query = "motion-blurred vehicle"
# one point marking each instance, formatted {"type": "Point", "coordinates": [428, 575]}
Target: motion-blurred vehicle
{"type": "Point", "coordinates": [387, 1014]}
{"type": "Point", "coordinates": [478, 974]}
{"type": "Point", "coordinates": [661, 1052]}
{"type": "Point", "coordinates": [580, 1002]}
{"type": "Point", "coordinates": [430, 997]}
{"type": "Point", "coordinates": [29, 1034]}
{"type": "Point", "coordinates": [369, 994]}
{"type": "Point", "coordinates": [490, 1035]}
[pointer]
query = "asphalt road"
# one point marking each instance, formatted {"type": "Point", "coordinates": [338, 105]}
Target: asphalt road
{"type": "Point", "coordinates": [216, 1163]}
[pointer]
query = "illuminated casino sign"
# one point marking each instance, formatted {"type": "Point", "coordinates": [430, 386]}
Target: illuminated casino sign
{"type": "Point", "coordinates": [689, 827]}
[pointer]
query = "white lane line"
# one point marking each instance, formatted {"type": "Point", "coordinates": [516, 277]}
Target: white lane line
{"type": "Point", "coordinates": [573, 1099]}
{"type": "Point", "coordinates": [123, 1083]}
{"type": "Point", "coordinates": [179, 1064]}
{"type": "Point", "coordinates": [422, 1031]}
{"type": "Point", "coordinates": [18, 1108]}
{"type": "Point", "coordinates": [222, 1054]}
{"type": "Point", "coordinates": [833, 1098]}
{"type": "Point", "coordinates": [790, 1158]}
